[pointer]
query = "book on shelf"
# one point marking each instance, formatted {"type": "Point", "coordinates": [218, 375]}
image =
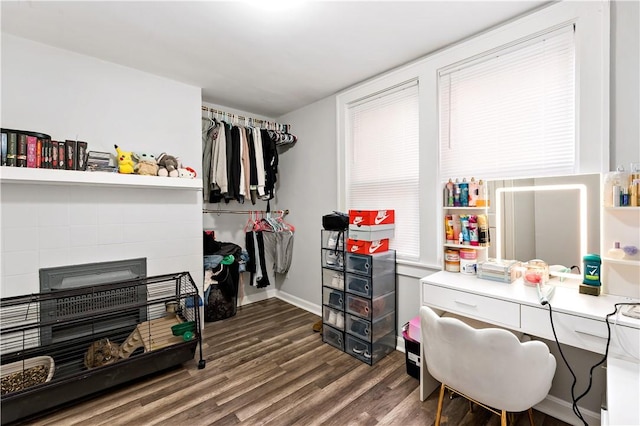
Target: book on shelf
{"type": "Point", "coordinates": [33, 156]}
{"type": "Point", "coordinates": [54, 154]}
{"type": "Point", "coordinates": [62, 155]}
{"type": "Point", "coordinates": [81, 156]}
{"type": "Point", "coordinates": [70, 154]}
{"type": "Point", "coordinates": [4, 149]}
{"type": "Point", "coordinates": [12, 149]}
{"type": "Point", "coordinates": [21, 156]}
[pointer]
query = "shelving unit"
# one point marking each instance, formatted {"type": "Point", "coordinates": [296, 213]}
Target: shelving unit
{"type": "Point", "coordinates": [481, 251]}
{"type": "Point", "coordinates": [620, 276]}
{"type": "Point", "coordinates": [358, 299]}
{"type": "Point", "coordinates": [23, 175]}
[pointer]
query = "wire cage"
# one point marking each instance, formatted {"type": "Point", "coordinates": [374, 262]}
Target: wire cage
{"type": "Point", "coordinates": [63, 345]}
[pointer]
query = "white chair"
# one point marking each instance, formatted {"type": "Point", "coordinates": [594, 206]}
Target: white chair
{"type": "Point", "coordinates": [490, 366]}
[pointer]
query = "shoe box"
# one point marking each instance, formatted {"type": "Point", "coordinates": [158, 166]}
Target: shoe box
{"type": "Point", "coordinates": [367, 247]}
{"type": "Point", "coordinates": [371, 225]}
{"type": "Point", "coordinates": [371, 217]}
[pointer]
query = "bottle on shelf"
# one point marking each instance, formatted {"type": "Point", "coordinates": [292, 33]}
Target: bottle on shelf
{"type": "Point", "coordinates": [616, 252]}
{"type": "Point", "coordinates": [483, 198]}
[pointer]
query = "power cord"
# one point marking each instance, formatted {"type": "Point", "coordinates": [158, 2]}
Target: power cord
{"type": "Point", "coordinates": [576, 409]}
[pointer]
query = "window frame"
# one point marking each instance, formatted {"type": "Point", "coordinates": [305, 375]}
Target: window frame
{"type": "Point", "coordinates": [592, 21]}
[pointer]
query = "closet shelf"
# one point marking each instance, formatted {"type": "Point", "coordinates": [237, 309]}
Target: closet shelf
{"type": "Point", "coordinates": [466, 246]}
{"type": "Point", "coordinates": [24, 175]}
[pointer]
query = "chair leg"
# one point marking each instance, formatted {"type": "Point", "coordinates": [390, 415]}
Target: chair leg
{"type": "Point", "coordinates": [531, 417]}
{"type": "Point", "coordinates": [440, 401]}
{"type": "Point", "coordinates": [503, 418]}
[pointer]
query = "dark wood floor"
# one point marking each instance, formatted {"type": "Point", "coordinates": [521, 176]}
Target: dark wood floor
{"type": "Point", "coordinates": [267, 366]}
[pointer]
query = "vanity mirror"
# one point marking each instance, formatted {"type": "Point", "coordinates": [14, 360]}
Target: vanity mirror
{"type": "Point", "coordinates": [556, 219]}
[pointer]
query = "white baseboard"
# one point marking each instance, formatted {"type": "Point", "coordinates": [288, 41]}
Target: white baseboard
{"type": "Point", "coordinates": [562, 410]}
{"type": "Point", "coordinates": [400, 344]}
{"type": "Point", "coordinates": [300, 303]}
{"type": "Point", "coordinates": [248, 299]}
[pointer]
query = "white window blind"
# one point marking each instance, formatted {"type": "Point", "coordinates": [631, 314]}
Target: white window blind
{"type": "Point", "coordinates": [511, 113]}
{"type": "Point", "coordinates": [383, 171]}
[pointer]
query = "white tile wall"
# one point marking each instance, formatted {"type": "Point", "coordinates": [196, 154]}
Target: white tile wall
{"type": "Point", "coordinates": [54, 225]}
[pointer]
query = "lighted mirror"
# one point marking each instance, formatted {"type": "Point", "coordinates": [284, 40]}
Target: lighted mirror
{"type": "Point", "coordinates": [556, 219]}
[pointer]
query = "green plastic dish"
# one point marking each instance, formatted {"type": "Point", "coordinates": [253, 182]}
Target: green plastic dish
{"type": "Point", "coordinates": [180, 329]}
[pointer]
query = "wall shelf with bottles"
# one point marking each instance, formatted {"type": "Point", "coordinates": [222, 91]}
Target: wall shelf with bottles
{"type": "Point", "coordinates": [621, 261]}
{"type": "Point", "coordinates": [23, 175]}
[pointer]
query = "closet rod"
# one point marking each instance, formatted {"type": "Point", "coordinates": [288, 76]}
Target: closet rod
{"type": "Point", "coordinates": [240, 117]}
{"type": "Point", "coordinates": [283, 212]}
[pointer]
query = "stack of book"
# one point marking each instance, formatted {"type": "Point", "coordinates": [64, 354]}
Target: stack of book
{"type": "Point", "coordinates": [98, 161]}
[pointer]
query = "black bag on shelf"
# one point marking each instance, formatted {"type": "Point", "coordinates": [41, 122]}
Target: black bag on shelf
{"type": "Point", "coordinates": [335, 221]}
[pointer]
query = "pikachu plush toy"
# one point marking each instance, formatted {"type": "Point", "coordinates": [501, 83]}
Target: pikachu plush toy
{"type": "Point", "coordinates": [126, 164]}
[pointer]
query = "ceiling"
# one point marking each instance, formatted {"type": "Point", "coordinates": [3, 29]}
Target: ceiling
{"type": "Point", "coordinates": [247, 57]}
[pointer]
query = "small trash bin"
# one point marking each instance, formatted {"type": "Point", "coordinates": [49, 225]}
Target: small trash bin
{"type": "Point", "coordinates": [411, 335]}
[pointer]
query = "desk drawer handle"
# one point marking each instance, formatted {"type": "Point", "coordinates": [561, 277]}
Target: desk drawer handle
{"type": "Point", "coordinates": [473, 305]}
{"type": "Point", "coordinates": [588, 333]}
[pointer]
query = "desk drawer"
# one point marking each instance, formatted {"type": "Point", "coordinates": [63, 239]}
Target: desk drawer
{"type": "Point", "coordinates": [471, 305]}
{"type": "Point", "coordinates": [583, 333]}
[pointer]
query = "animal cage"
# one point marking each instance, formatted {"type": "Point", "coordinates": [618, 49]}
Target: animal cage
{"type": "Point", "coordinates": [64, 345]}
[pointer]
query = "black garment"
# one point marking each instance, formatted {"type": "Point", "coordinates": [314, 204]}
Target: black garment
{"type": "Point", "coordinates": [264, 281]}
{"type": "Point", "coordinates": [227, 133]}
{"type": "Point", "coordinates": [234, 168]}
{"type": "Point", "coordinates": [270, 156]}
{"type": "Point", "coordinates": [253, 169]}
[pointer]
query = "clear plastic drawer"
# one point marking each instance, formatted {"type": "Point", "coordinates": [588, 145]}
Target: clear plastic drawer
{"type": "Point", "coordinates": [333, 259]}
{"type": "Point", "coordinates": [333, 298]}
{"type": "Point", "coordinates": [370, 331]}
{"type": "Point", "coordinates": [366, 286]}
{"type": "Point", "coordinates": [333, 337]}
{"type": "Point", "coordinates": [371, 264]}
{"type": "Point", "coordinates": [370, 352]}
{"type": "Point", "coordinates": [332, 278]}
{"type": "Point", "coordinates": [333, 240]}
{"type": "Point", "coordinates": [371, 308]}
{"type": "Point", "coordinates": [333, 317]}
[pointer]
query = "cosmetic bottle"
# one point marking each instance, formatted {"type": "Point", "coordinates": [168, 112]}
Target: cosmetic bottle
{"type": "Point", "coordinates": [449, 194]}
{"type": "Point", "coordinates": [464, 193]}
{"type": "Point", "coordinates": [456, 193]}
{"type": "Point", "coordinates": [473, 192]}
{"type": "Point", "coordinates": [614, 182]}
{"type": "Point", "coordinates": [483, 198]}
{"type": "Point", "coordinates": [616, 252]}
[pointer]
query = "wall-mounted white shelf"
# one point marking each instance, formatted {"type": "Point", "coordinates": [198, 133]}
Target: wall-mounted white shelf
{"type": "Point", "coordinates": [629, 262]}
{"type": "Point", "coordinates": [465, 246]}
{"type": "Point", "coordinates": [23, 175]}
{"type": "Point", "coordinates": [465, 208]}
{"type": "Point", "coordinates": [628, 208]}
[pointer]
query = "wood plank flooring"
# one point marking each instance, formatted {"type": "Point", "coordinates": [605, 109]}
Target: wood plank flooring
{"type": "Point", "coordinates": [265, 366]}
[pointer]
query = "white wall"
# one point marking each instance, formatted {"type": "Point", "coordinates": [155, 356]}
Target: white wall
{"type": "Point", "coordinates": [67, 95]}
{"type": "Point", "coordinates": [315, 156]}
{"type": "Point", "coordinates": [625, 83]}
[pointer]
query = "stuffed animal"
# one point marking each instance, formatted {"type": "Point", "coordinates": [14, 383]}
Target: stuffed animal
{"type": "Point", "coordinates": [146, 164]}
{"type": "Point", "coordinates": [168, 165]}
{"type": "Point", "coordinates": [126, 164]}
{"type": "Point", "coordinates": [187, 173]}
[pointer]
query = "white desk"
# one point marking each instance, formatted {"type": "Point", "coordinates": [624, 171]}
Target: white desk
{"type": "Point", "coordinates": [579, 319]}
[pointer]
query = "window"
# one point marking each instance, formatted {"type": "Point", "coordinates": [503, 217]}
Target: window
{"type": "Point", "coordinates": [383, 162]}
{"type": "Point", "coordinates": [511, 113]}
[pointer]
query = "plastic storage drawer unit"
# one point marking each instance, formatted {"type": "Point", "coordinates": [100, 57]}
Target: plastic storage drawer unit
{"type": "Point", "coordinates": [365, 330]}
{"type": "Point", "coordinates": [366, 286]}
{"type": "Point", "coordinates": [333, 298]}
{"type": "Point", "coordinates": [371, 308]}
{"type": "Point", "coordinates": [372, 264]}
{"type": "Point", "coordinates": [333, 337]}
{"type": "Point", "coordinates": [370, 352]}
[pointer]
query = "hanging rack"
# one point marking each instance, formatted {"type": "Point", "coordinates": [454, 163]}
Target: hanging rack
{"type": "Point", "coordinates": [234, 118]}
{"type": "Point", "coordinates": [282, 212]}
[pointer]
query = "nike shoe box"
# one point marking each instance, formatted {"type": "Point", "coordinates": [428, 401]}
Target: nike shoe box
{"type": "Point", "coordinates": [371, 217]}
{"type": "Point", "coordinates": [371, 232]}
{"type": "Point", "coordinates": [367, 247]}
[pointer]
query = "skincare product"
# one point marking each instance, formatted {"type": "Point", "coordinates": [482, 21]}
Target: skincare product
{"type": "Point", "coordinates": [618, 179]}
{"type": "Point", "coordinates": [456, 193]}
{"type": "Point", "coordinates": [616, 252]}
{"type": "Point", "coordinates": [483, 230]}
{"type": "Point", "coordinates": [483, 197]}
{"type": "Point", "coordinates": [473, 192]}
{"type": "Point", "coordinates": [464, 193]}
{"type": "Point", "coordinates": [448, 226]}
{"type": "Point", "coordinates": [449, 194]}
